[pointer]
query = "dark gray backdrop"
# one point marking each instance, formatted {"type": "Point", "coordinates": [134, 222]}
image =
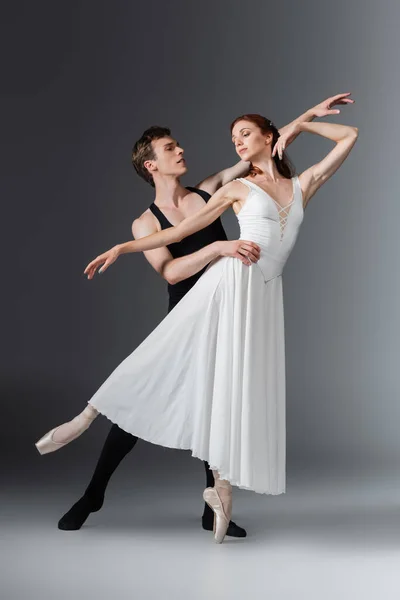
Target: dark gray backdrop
{"type": "Point", "coordinates": [79, 83]}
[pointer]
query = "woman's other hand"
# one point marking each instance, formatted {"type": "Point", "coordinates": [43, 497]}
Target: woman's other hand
{"type": "Point", "coordinates": [103, 261]}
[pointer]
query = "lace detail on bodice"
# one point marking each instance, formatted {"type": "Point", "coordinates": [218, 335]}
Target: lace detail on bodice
{"type": "Point", "coordinates": [283, 213]}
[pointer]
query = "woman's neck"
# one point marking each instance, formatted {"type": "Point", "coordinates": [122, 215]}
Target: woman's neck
{"type": "Point", "coordinates": [268, 168]}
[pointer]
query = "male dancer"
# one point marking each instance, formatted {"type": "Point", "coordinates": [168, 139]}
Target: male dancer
{"type": "Point", "coordinates": [158, 159]}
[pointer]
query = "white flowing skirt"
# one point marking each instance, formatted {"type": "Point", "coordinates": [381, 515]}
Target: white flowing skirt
{"type": "Point", "coordinates": [211, 378]}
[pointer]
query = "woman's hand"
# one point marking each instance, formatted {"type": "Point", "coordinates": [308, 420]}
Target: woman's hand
{"type": "Point", "coordinates": [286, 138]}
{"type": "Point", "coordinates": [103, 261]}
{"type": "Point", "coordinates": [320, 110]}
{"type": "Point", "coordinates": [247, 252]}
{"type": "Point", "coordinates": [325, 108]}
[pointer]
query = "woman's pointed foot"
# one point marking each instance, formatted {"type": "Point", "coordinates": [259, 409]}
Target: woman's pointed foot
{"type": "Point", "coordinates": [66, 433]}
{"type": "Point", "coordinates": [221, 519]}
{"type": "Point", "coordinates": [233, 530]}
{"type": "Point", "coordinates": [47, 444]}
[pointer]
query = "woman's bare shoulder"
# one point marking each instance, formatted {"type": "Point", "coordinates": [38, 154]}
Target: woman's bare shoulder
{"type": "Point", "coordinates": [235, 190]}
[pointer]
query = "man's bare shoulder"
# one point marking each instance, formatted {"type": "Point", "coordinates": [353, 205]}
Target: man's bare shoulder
{"type": "Point", "coordinates": [144, 225]}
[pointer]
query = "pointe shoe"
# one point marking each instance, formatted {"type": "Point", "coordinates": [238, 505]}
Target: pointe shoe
{"type": "Point", "coordinates": [46, 444]}
{"type": "Point", "coordinates": [83, 421]}
{"type": "Point", "coordinates": [221, 521]}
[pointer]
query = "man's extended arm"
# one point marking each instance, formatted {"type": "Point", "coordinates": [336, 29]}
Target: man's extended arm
{"type": "Point", "coordinates": [178, 269]}
{"type": "Point", "coordinates": [174, 270]}
{"type": "Point", "coordinates": [240, 169]}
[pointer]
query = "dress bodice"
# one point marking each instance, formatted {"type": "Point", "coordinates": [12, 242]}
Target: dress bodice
{"type": "Point", "coordinates": [272, 227]}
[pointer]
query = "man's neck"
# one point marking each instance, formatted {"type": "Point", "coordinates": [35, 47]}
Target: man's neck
{"type": "Point", "coordinates": [169, 192]}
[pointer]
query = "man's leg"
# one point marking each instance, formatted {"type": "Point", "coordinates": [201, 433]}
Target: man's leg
{"type": "Point", "coordinates": [208, 514]}
{"type": "Point", "coordinates": [117, 445]}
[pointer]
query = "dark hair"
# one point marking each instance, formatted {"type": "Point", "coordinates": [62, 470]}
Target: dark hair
{"type": "Point", "coordinates": [284, 166]}
{"type": "Point", "coordinates": [143, 150]}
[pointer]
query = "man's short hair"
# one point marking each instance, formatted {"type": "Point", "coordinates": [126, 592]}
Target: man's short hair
{"type": "Point", "coordinates": [143, 150]}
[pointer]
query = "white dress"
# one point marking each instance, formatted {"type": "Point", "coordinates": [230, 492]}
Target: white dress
{"type": "Point", "coordinates": [211, 377]}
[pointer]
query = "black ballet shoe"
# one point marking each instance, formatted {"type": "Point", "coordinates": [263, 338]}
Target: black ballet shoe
{"type": "Point", "coordinates": [79, 512]}
{"type": "Point", "coordinates": [233, 529]}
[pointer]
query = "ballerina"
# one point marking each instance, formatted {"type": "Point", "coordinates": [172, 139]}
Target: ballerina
{"type": "Point", "coordinates": [211, 376]}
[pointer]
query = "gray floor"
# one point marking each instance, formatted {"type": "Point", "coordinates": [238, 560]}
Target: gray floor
{"type": "Point", "coordinates": [326, 538]}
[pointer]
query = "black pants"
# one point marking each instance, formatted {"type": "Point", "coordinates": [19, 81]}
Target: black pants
{"type": "Point", "coordinates": [117, 445]}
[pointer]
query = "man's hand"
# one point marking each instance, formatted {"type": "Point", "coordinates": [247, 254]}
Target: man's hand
{"type": "Point", "coordinates": [325, 108]}
{"type": "Point", "coordinates": [247, 252]}
{"type": "Point", "coordinates": [106, 259]}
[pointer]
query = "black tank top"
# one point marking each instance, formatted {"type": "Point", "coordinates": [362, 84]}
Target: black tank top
{"type": "Point", "coordinates": [212, 233]}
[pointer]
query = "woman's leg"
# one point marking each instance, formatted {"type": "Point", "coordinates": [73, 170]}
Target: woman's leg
{"type": "Point", "coordinates": [69, 431]}
{"type": "Point", "coordinates": [117, 445]}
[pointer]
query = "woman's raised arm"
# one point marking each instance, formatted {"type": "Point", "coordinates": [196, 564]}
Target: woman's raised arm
{"type": "Point", "coordinates": [312, 178]}
{"type": "Point", "coordinates": [214, 208]}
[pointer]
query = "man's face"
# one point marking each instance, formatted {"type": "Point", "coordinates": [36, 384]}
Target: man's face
{"type": "Point", "coordinates": [168, 158]}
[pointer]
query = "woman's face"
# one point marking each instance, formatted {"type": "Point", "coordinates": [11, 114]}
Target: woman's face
{"type": "Point", "coordinates": [250, 142]}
